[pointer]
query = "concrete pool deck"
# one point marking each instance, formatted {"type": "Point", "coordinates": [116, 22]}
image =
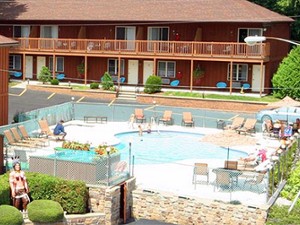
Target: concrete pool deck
{"type": "Point", "coordinates": [170, 178]}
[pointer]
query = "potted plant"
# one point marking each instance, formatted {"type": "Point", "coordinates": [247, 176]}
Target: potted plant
{"type": "Point", "coordinates": [198, 74]}
{"type": "Point", "coordinates": [80, 70]}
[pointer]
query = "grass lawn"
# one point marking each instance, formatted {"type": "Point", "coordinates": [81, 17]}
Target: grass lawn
{"type": "Point", "coordinates": [268, 98]}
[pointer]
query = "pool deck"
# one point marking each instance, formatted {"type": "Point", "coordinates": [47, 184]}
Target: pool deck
{"type": "Point", "coordinates": [170, 178]}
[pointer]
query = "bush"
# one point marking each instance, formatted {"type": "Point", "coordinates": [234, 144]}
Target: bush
{"type": "Point", "coordinates": [94, 85]}
{"type": "Point", "coordinates": [106, 81]}
{"type": "Point", "coordinates": [45, 211]}
{"type": "Point", "coordinates": [4, 190]}
{"type": "Point", "coordinates": [153, 84]}
{"type": "Point", "coordinates": [10, 215]}
{"type": "Point", "coordinates": [54, 82]}
{"type": "Point", "coordinates": [44, 75]}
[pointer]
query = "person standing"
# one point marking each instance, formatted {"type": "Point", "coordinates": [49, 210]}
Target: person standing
{"type": "Point", "coordinates": [60, 129]}
{"type": "Point", "coordinates": [18, 186]}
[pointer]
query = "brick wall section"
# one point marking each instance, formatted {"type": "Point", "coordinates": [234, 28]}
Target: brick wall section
{"type": "Point", "coordinates": [173, 209]}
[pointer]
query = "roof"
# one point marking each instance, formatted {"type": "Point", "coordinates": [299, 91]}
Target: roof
{"type": "Point", "coordinates": [139, 10]}
{"type": "Point", "coordinates": [4, 41]}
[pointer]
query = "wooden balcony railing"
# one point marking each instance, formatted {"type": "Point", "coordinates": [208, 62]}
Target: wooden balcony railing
{"type": "Point", "coordinates": [180, 49]}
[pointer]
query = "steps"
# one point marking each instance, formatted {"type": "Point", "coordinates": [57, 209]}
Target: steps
{"type": "Point", "coordinates": [127, 96]}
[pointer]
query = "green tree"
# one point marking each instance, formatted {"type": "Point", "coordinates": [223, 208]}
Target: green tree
{"type": "Point", "coordinates": [286, 81]}
{"type": "Point", "coordinates": [153, 84]}
{"type": "Point", "coordinates": [106, 81]}
{"type": "Point", "coordinates": [44, 75]}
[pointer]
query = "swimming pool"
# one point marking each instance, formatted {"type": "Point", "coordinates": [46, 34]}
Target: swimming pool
{"type": "Point", "coordinates": [159, 147]}
{"type": "Point", "coordinates": [170, 146]}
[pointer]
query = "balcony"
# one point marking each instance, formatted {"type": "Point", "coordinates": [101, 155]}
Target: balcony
{"type": "Point", "coordinates": [211, 51]}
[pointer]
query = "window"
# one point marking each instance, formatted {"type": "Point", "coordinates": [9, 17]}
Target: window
{"type": "Point", "coordinates": [113, 67]}
{"type": "Point", "coordinates": [126, 33]}
{"type": "Point", "coordinates": [14, 62]}
{"type": "Point", "coordinates": [158, 34]}
{"type": "Point", "coordinates": [49, 31]}
{"type": "Point", "coordinates": [59, 64]}
{"type": "Point", "coordinates": [21, 31]}
{"type": "Point", "coordinates": [245, 32]}
{"type": "Point", "coordinates": [239, 72]}
{"type": "Point", "coordinates": [166, 69]}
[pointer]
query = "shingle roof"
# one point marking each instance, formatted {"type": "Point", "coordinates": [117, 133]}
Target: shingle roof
{"type": "Point", "coordinates": [139, 10]}
{"type": "Point", "coordinates": [7, 41]}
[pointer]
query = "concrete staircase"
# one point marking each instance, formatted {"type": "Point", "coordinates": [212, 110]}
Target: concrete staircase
{"type": "Point", "coordinates": [127, 96]}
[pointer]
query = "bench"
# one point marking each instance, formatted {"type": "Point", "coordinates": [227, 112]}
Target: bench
{"type": "Point", "coordinates": [96, 119]}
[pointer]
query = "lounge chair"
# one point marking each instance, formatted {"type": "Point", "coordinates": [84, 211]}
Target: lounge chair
{"type": "Point", "coordinates": [25, 135]}
{"type": "Point", "coordinates": [139, 115]}
{"type": "Point", "coordinates": [45, 130]}
{"type": "Point", "coordinates": [18, 138]}
{"type": "Point", "coordinates": [248, 127]}
{"type": "Point", "coordinates": [236, 123]}
{"type": "Point", "coordinates": [187, 119]}
{"type": "Point", "coordinates": [167, 118]}
{"type": "Point", "coordinates": [12, 142]}
{"type": "Point", "coordinates": [200, 169]}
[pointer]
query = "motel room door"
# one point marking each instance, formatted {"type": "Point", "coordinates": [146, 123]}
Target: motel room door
{"type": "Point", "coordinates": [256, 78]}
{"type": "Point", "coordinates": [29, 67]}
{"type": "Point", "coordinates": [40, 62]}
{"type": "Point", "coordinates": [148, 70]}
{"type": "Point", "coordinates": [133, 71]}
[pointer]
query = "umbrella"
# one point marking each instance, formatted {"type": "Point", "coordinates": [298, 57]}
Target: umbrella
{"type": "Point", "coordinates": [285, 102]}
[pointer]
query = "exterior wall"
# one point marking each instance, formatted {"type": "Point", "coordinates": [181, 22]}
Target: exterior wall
{"type": "Point", "coordinates": [4, 52]}
{"type": "Point", "coordinates": [179, 210]}
{"type": "Point", "coordinates": [215, 70]}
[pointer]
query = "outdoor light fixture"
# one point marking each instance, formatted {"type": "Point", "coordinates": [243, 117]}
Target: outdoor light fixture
{"type": "Point", "coordinates": [253, 40]}
{"type": "Point", "coordinates": [69, 83]}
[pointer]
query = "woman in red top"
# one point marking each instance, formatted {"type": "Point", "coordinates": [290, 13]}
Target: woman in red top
{"type": "Point", "coordinates": [18, 185]}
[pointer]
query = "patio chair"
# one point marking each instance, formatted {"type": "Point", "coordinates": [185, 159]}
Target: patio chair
{"type": "Point", "coordinates": [200, 169]}
{"type": "Point", "coordinates": [256, 180]}
{"type": "Point", "coordinates": [187, 119]}
{"type": "Point", "coordinates": [139, 115]}
{"type": "Point", "coordinates": [231, 165]}
{"type": "Point", "coordinates": [25, 135]}
{"type": "Point", "coordinates": [223, 179]}
{"type": "Point", "coordinates": [167, 118]}
{"type": "Point", "coordinates": [12, 142]}
{"type": "Point", "coordinates": [236, 123]}
{"type": "Point", "coordinates": [248, 127]}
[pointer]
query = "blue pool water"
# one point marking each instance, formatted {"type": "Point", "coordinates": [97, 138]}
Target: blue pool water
{"type": "Point", "coordinates": [159, 147]}
{"type": "Point", "coordinates": [171, 146]}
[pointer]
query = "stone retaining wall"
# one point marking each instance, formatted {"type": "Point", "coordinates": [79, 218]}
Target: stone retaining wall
{"type": "Point", "coordinates": [183, 211]}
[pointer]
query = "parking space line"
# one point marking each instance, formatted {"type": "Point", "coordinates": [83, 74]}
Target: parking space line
{"type": "Point", "coordinates": [111, 102]}
{"type": "Point", "coordinates": [51, 95]}
{"type": "Point", "coordinates": [79, 100]}
{"type": "Point", "coordinates": [18, 94]}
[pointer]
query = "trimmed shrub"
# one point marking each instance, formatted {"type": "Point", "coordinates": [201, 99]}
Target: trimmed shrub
{"type": "Point", "coordinates": [54, 82]}
{"type": "Point", "coordinates": [4, 190]}
{"type": "Point", "coordinates": [106, 81]}
{"type": "Point", "coordinates": [153, 84]}
{"type": "Point", "coordinates": [45, 211]}
{"type": "Point", "coordinates": [10, 215]}
{"type": "Point", "coordinates": [94, 85]}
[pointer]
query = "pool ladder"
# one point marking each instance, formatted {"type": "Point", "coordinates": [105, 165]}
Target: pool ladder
{"type": "Point", "coordinates": [153, 123]}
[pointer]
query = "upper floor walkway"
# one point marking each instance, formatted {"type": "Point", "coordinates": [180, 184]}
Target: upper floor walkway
{"type": "Point", "coordinates": [181, 50]}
